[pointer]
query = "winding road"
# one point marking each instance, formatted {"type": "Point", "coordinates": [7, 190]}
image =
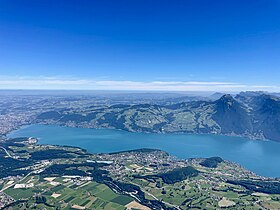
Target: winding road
{"type": "Point", "coordinates": [9, 155]}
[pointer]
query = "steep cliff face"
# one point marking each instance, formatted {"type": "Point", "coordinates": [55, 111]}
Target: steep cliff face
{"type": "Point", "coordinates": [231, 116]}
{"type": "Point", "coordinates": [267, 117]}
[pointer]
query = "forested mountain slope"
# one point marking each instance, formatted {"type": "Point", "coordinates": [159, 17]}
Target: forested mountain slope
{"type": "Point", "coordinates": [251, 114]}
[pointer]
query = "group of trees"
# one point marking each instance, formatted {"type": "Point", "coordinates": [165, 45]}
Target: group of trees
{"type": "Point", "coordinates": [178, 174]}
{"type": "Point", "coordinates": [42, 200]}
{"type": "Point", "coordinates": [10, 166]}
{"type": "Point", "coordinates": [51, 154]}
{"type": "Point", "coordinates": [171, 177]}
{"type": "Point", "coordinates": [72, 169]}
{"type": "Point", "coordinates": [211, 162]}
{"type": "Point", "coordinates": [269, 187]}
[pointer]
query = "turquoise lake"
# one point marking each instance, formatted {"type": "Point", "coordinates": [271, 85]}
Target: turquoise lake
{"type": "Point", "coordinates": [261, 157]}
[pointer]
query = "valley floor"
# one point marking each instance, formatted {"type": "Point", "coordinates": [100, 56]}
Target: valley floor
{"type": "Point", "coordinates": [38, 176]}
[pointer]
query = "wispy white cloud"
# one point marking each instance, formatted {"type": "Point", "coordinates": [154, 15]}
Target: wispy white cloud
{"type": "Point", "coordinates": [43, 82]}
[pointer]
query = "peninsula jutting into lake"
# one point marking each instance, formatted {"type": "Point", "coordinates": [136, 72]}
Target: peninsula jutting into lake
{"type": "Point", "coordinates": [63, 177]}
{"type": "Point", "coordinates": [258, 156]}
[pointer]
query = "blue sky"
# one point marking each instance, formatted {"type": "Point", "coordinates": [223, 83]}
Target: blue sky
{"type": "Point", "coordinates": [221, 45]}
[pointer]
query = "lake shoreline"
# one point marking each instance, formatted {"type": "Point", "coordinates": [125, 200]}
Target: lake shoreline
{"type": "Point", "coordinates": [250, 138]}
{"type": "Point", "coordinates": [256, 156]}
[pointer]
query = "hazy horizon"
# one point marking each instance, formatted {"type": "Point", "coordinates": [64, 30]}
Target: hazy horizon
{"type": "Point", "coordinates": [140, 45]}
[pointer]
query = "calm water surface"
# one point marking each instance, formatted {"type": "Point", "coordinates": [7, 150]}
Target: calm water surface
{"type": "Point", "coordinates": [262, 157]}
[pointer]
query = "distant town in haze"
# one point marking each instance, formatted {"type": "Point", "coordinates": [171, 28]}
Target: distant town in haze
{"type": "Point", "coordinates": [139, 105]}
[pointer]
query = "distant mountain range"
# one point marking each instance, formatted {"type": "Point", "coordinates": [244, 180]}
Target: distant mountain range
{"type": "Point", "coordinates": [251, 114]}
